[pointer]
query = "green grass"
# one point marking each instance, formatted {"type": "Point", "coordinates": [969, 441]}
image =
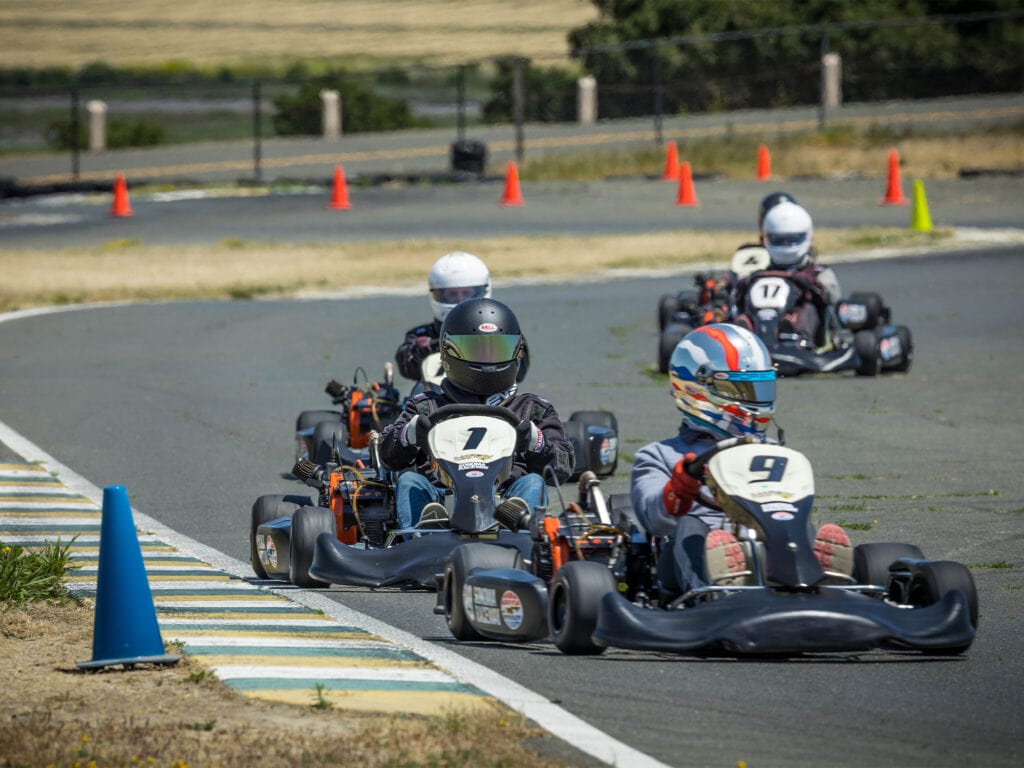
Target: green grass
{"type": "Point", "coordinates": [28, 575]}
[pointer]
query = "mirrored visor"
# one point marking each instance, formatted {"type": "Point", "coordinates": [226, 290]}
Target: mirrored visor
{"type": "Point", "coordinates": [784, 239]}
{"type": "Point", "coordinates": [455, 294]}
{"type": "Point", "coordinates": [752, 387]}
{"type": "Point", "coordinates": [496, 348]}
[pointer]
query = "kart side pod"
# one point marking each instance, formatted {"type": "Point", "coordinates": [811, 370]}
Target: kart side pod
{"type": "Point", "coordinates": [503, 604]}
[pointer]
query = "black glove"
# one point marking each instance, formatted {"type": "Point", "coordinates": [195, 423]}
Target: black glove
{"type": "Point", "coordinates": [420, 347]}
{"type": "Point", "coordinates": [529, 438]}
{"type": "Point", "coordinates": [415, 431]}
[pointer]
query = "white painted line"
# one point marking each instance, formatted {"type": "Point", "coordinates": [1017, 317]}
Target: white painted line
{"type": "Point", "coordinates": [403, 674]}
{"type": "Point", "coordinates": [284, 642]}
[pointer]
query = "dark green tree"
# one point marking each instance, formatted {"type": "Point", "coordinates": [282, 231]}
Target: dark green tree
{"type": "Point", "coordinates": [362, 109]}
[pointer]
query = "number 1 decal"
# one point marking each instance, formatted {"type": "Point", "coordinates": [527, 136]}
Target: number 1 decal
{"type": "Point", "coordinates": [476, 436]}
{"type": "Point", "coordinates": [775, 466]}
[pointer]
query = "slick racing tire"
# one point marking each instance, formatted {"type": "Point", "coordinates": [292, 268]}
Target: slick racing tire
{"type": "Point", "coordinates": [327, 436]}
{"type": "Point", "coordinates": [265, 509]}
{"type": "Point", "coordinates": [584, 419]}
{"type": "Point", "coordinates": [667, 306]}
{"type": "Point", "coordinates": [871, 561]}
{"type": "Point", "coordinates": [873, 307]}
{"type": "Point", "coordinates": [307, 524]}
{"type": "Point", "coordinates": [309, 420]}
{"type": "Point", "coordinates": [670, 336]}
{"type": "Point", "coordinates": [907, 345]}
{"type": "Point", "coordinates": [463, 559]}
{"type": "Point", "coordinates": [932, 580]}
{"type": "Point", "coordinates": [865, 343]}
{"type": "Point", "coordinates": [573, 603]}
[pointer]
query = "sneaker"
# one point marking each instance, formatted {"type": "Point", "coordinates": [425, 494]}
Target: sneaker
{"type": "Point", "coordinates": [833, 550]}
{"type": "Point", "coordinates": [724, 560]}
{"type": "Point", "coordinates": [434, 515]}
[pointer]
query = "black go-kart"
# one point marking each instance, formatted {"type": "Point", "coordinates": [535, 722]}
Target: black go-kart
{"type": "Point", "coordinates": [855, 334]}
{"type": "Point", "coordinates": [589, 581]}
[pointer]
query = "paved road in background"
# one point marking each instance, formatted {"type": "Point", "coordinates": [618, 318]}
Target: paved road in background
{"type": "Point", "coordinates": [428, 152]}
{"type": "Point", "coordinates": [191, 406]}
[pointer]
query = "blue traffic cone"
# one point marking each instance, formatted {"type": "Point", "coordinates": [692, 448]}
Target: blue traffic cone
{"type": "Point", "coordinates": [125, 630]}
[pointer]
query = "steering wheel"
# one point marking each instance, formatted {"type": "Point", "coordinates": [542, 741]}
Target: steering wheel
{"type": "Point", "coordinates": [455, 410]}
{"type": "Point", "coordinates": [696, 467]}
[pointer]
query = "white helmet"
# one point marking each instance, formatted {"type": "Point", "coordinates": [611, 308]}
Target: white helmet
{"type": "Point", "coordinates": [455, 277]}
{"type": "Point", "coordinates": [788, 233]}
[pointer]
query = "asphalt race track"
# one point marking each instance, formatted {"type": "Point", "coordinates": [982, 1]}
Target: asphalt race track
{"type": "Point", "coordinates": [191, 407]}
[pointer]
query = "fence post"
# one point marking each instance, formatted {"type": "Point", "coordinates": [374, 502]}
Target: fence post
{"type": "Point", "coordinates": [257, 151]}
{"type": "Point", "coordinates": [97, 125]}
{"type": "Point", "coordinates": [832, 80]}
{"type": "Point", "coordinates": [331, 114]}
{"type": "Point", "coordinates": [518, 108]}
{"type": "Point", "coordinates": [586, 100]}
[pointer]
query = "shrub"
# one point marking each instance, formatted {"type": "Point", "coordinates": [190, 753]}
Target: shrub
{"type": "Point", "coordinates": [362, 110]}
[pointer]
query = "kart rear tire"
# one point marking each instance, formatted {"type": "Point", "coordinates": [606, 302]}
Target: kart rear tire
{"type": "Point", "coordinates": [327, 435]}
{"type": "Point", "coordinates": [907, 345]}
{"type": "Point", "coordinates": [667, 306]}
{"type": "Point", "coordinates": [670, 336]}
{"type": "Point", "coordinates": [871, 561]}
{"type": "Point", "coordinates": [463, 559]}
{"type": "Point", "coordinates": [604, 419]}
{"type": "Point", "coordinates": [865, 343]}
{"type": "Point", "coordinates": [873, 306]}
{"type": "Point", "coordinates": [307, 524]}
{"type": "Point", "coordinates": [309, 420]}
{"type": "Point", "coordinates": [573, 603]}
{"type": "Point", "coordinates": [933, 579]}
{"type": "Point", "coordinates": [265, 509]}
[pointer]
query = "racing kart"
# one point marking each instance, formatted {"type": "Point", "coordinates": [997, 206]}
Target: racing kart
{"type": "Point", "coordinates": [589, 583]}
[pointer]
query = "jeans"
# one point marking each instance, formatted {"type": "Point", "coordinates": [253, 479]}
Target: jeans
{"type": "Point", "coordinates": [413, 492]}
{"type": "Point", "coordinates": [681, 561]}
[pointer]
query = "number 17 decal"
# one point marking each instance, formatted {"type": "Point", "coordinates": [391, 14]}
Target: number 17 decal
{"type": "Point", "coordinates": [774, 466]}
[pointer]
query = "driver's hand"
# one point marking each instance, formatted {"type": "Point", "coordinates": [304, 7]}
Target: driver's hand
{"type": "Point", "coordinates": [420, 347]}
{"type": "Point", "coordinates": [334, 388]}
{"type": "Point", "coordinates": [681, 489]}
{"type": "Point", "coordinates": [529, 437]}
{"type": "Point", "coordinates": [415, 431]}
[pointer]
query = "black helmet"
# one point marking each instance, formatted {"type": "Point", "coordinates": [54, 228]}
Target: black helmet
{"type": "Point", "coordinates": [769, 202]}
{"type": "Point", "coordinates": [480, 346]}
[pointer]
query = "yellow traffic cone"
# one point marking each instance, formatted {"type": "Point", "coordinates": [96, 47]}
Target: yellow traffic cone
{"type": "Point", "coordinates": [920, 219]}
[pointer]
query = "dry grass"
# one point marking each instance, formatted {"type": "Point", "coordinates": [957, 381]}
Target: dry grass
{"type": "Point", "coordinates": [59, 33]}
{"type": "Point", "coordinates": [126, 270]}
{"type": "Point", "coordinates": [179, 716]}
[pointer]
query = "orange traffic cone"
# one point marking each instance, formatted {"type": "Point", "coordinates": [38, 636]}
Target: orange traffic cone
{"type": "Point", "coordinates": [512, 195]}
{"type": "Point", "coordinates": [339, 195]}
{"type": "Point", "coordinates": [686, 195]}
{"type": "Point", "coordinates": [764, 164]}
{"type": "Point", "coordinates": [894, 191]}
{"type": "Point", "coordinates": [121, 206]}
{"type": "Point", "coordinates": [671, 172]}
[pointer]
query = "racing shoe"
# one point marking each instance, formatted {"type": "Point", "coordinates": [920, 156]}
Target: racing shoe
{"type": "Point", "coordinates": [434, 515]}
{"type": "Point", "coordinates": [725, 560]}
{"type": "Point", "coordinates": [833, 550]}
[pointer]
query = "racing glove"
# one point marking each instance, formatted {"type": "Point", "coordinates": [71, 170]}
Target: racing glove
{"type": "Point", "coordinates": [414, 433]}
{"type": "Point", "coordinates": [420, 348]}
{"type": "Point", "coordinates": [529, 438]}
{"type": "Point", "coordinates": [681, 489]}
{"type": "Point", "coordinates": [335, 389]}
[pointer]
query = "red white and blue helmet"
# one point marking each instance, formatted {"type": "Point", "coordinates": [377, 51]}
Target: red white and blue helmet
{"type": "Point", "coordinates": [723, 381]}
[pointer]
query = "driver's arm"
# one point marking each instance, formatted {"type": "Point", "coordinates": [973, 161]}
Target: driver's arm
{"type": "Point", "coordinates": [398, 448]}
{"type": "Point", "coordinates": [419, 342]}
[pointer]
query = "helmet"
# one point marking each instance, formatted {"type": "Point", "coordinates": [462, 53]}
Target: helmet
{"type": "Point", "coordinates": [767, 203]}
{"type": "Point", "coordinates": [480, 346]}
{"type": "Point", "coordinates": [723, 381]}
{"type": "Point", "coordinates": [788, 232]}
{"type": "Point", "coordinates": [454, 277]}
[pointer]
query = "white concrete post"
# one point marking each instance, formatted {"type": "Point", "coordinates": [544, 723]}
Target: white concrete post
{"type": "Point", "coordinates": [331, 114]}
{"type": "Point", "coordinates": [97, 125]}
{"type": "Point", "coordinates": [586, 100]}
{"type": "Point", "coordinates": [832, 77]}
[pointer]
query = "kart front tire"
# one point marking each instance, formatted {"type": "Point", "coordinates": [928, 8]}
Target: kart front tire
{"type": "Point", "coordinates": [307, 420]}
{"type": "Point", "coordinates": [670, 336]}
{"type": "Point", "coordinates": [265, 509]}
{"type": "Point", "coordinates": [871, 561]}
{"type": "Point", "coordinates": [873, 306]}
{"type": "Point", "coordinates": [907, 345]}
{"type": "Point", "coordinates": [869, 363]}
{"type": "Point", "coordinates": [307, 524]}
{"type": "Point", "coordinates": [605, 419]}
{"type": "Point", "coordinates": [463, 559]}
{"type": "Point", "coordinates": [573, 603]}
{"type": "Point", "coordinates": [667, 306]}
{"type": "Point", "coordinates": [934, 579]}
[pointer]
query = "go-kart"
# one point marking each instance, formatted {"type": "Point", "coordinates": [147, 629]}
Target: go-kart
{"type": "Point", "coordinates": [471, 447]}
{"type": "Point", "coordinates": [365, 407]}
{"type": "Point", "coordinates": [590, 581]}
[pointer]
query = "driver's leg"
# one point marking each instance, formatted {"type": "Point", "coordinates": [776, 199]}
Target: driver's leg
{"type": "Point", "coordinates": [413, 492]}
{"type": "Point", "coordinates": [531, 489]}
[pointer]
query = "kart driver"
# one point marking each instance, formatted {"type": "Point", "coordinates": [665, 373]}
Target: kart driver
{"type": "Point", "coordinates": [481, 352]}
{"type": "Point", "coordinates": [788, 235]}
{"type": "Point", "coordinates": [724, 384]}
{"type": "Point", "coordinates": [456, 276]}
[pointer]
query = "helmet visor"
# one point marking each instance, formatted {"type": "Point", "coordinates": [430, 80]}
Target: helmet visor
{"type": "Point", "coordinates": [749, 387]}
{"type": "Point", "coordinates": [455, 294]}
{"type": "Point", "coordinates": [484, 348]}
{"type": "Point", "coordinates": [785, 239]}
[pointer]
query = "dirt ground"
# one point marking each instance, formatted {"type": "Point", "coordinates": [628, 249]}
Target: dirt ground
{"type": "Point", "coordinates": [179, 716]}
